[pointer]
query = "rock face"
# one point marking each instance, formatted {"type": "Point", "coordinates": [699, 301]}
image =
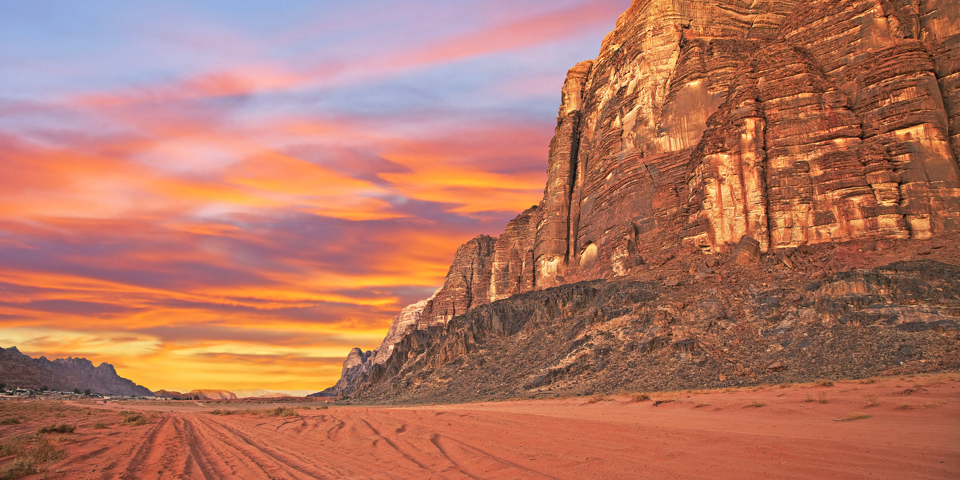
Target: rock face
{"type": "Point", "coordinates": [64, 374]}
{"type": "Point", "coordinates": [708, 124]}
{"type": "Point", "coordinates": [467, 284]}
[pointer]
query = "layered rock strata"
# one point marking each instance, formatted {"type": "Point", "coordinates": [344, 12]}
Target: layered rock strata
{"type": "Point", "coordinates": [704, 124]}
{"type": "Point", "coordinates": [64, 374]}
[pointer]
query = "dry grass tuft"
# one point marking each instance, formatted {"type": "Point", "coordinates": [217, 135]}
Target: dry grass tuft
{"type": "Point", "coordinates": [871, 402]}
{"type": "Point", "coordinates": [701, 405]}
{"type": "Point", "coordinates": [905, 406]}
{"type": "Point", "coordinates": [323, 407]}
{"type": "Point", "coordinates": [931, 405]}
{"type": "Point", "coordinates": [822, 398]}
{"type": "Point", "coordinates": [137, 418]}
{"type": "Point", "coordinates": [61, 428]}
{"type": "Point", "coordinates": [755, 404]}
{"type": "Point", "coordinates": [99, 425]}
{"type": "Point", "coordinates": [824, 382]}
{"type": "Point", "coordinates": [597, 398]}
{"type": "Point", "coordinates": [810, 399]}
{"type": "Point", "coordinates": [10, 421]}
{"type": "Point", "coordinates": [639, 397]}
{"type": "Point", "coordinates": [225, 412]}
{"type": "Point", "coordinates": [281, 412]}
{"type": "Point", "coordinates": [852, 416]}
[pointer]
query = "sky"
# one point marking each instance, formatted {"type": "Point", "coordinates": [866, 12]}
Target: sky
{"type": "Point", "coordinates": [232, 194]}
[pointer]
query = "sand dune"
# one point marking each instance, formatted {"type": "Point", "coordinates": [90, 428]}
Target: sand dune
{"type": "Point", "coordinates": [698, 435]}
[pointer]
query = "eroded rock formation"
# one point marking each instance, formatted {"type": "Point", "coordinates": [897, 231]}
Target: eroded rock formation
{"type": "Point", "coordinates": [707, 124]}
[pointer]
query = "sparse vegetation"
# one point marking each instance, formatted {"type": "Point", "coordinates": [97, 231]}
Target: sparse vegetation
{"type": "Point", "coordinates": [905, 406]}
{"type": "Point", "coordinates": [32, 455]}
{"type": "Point", "coordinates": [225, 412]}
{"type": "Point", "coordinates": [639, 397]}
{"type": "Point", "coordinates": [597, 398]}
{"type": "Point", "coordinates": [10, 421]}
{"type": "Point", "coordinates": [134, 419]}
{"type": "Point", "coordinates": [701, 405]}
{"type": "Point", "coordinates": [822, 382]}
{"type": "Point", "coordinates": [281, 412]}
{"type": "Point", "coordinates": [810, 399]}
{"type": "Point", "coordinates": [852, 416]}
{"type": "Point", "coordinates": [871, 402]}
{"type": "Point", "coordinates": [323, 407]}
{"type": "Point", "coordinates": [755, 404]}
{"type": "Point", "coordinates": [61, 428]}
{"type": "Point", "coordinates": [822, 398]}
{"type": "Point", "coordinates": [99, 425]}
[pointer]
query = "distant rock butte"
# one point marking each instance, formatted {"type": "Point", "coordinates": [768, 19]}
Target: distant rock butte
{"type": "Point", "coordinates": [204, 394]}
{"type": "Point", "coordinates": [64, 374]}
{"type": "Point", "coordinates": [704, 122]}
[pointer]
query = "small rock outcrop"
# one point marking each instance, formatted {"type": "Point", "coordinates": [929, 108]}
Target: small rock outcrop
{"type": "Point", "coordinates": [64, 374]}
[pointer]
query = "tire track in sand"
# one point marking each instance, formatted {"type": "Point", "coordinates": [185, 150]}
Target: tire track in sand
{"type": "Point", "coordinates": [149, 452]}
{"type": "Point", "coordinates": [254, 455]}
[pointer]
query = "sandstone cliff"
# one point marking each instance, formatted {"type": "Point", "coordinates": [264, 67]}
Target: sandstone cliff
{"type": "Point", "coordinates": [64, 374]}
{"type": "Point", "coordinates": [704, 124]}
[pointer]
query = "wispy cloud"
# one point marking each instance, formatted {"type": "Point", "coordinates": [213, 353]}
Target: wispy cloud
{"type": "Point", "coordinates": [232, 199]}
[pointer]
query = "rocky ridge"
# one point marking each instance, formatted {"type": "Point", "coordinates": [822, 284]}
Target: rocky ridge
{"type": "Point", "coordinates": [64, 374]}
{"type": "Point", "coordinates": [730, 130]}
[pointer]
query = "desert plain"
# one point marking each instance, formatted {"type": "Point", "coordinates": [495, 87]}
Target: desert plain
{"type": "Point", "coordinates": [891, 427]}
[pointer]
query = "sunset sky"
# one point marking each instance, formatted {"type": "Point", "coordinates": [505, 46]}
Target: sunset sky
{"type": "Point", "coordinates": [232, 194]}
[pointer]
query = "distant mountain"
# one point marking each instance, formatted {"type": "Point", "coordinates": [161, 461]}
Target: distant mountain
{"type": "Point", "coordinates": [204, 394]}
{"type": "Point", "coordinates": [261, 393]}
{"type": "Point", "coordinates": [64, 374]}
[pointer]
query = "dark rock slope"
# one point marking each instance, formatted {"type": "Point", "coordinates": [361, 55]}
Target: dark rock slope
{"type": "Point", "coordinates": [763, 323]}
{"type": "Point", "coordinates": [64, 374]}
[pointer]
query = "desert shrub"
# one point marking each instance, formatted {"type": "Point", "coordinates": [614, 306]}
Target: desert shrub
{"type": "Point", "coordinates": [824, 382]}
{"type": "Point", "coordinates": [871, 402]}
{"type": "Point", "coordinates": [323, 407]}
{"type": "Point", "coordinates": [810, 399]}
{"type": "Point", "coordinates": [597, 398]}
{"type": "Point", "coordinates": [639, 397]}
{"type": "Point", "coordinates": [99, 425]}
{"type": "Point", "coordinates": [853, 416]}
{"type": "Point", "coordinates": [755, 404]}
{"type": "Point", "coordinates": [61, 428]}
{"type": "Point", "coordinates": [822, 398]}
{"type": "Point", "coordinates": [10, 421]}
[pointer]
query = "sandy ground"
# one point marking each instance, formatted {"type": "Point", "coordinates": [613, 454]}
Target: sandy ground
{"type": "Point", "coordinates": [913, 432]}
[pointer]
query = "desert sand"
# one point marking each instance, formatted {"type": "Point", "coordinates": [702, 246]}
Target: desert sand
{"type": "Point", "coordinates": [771, 432]}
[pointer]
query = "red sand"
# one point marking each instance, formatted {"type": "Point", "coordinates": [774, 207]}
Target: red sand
{"type": "Point", "coordinates": [700, 435]}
